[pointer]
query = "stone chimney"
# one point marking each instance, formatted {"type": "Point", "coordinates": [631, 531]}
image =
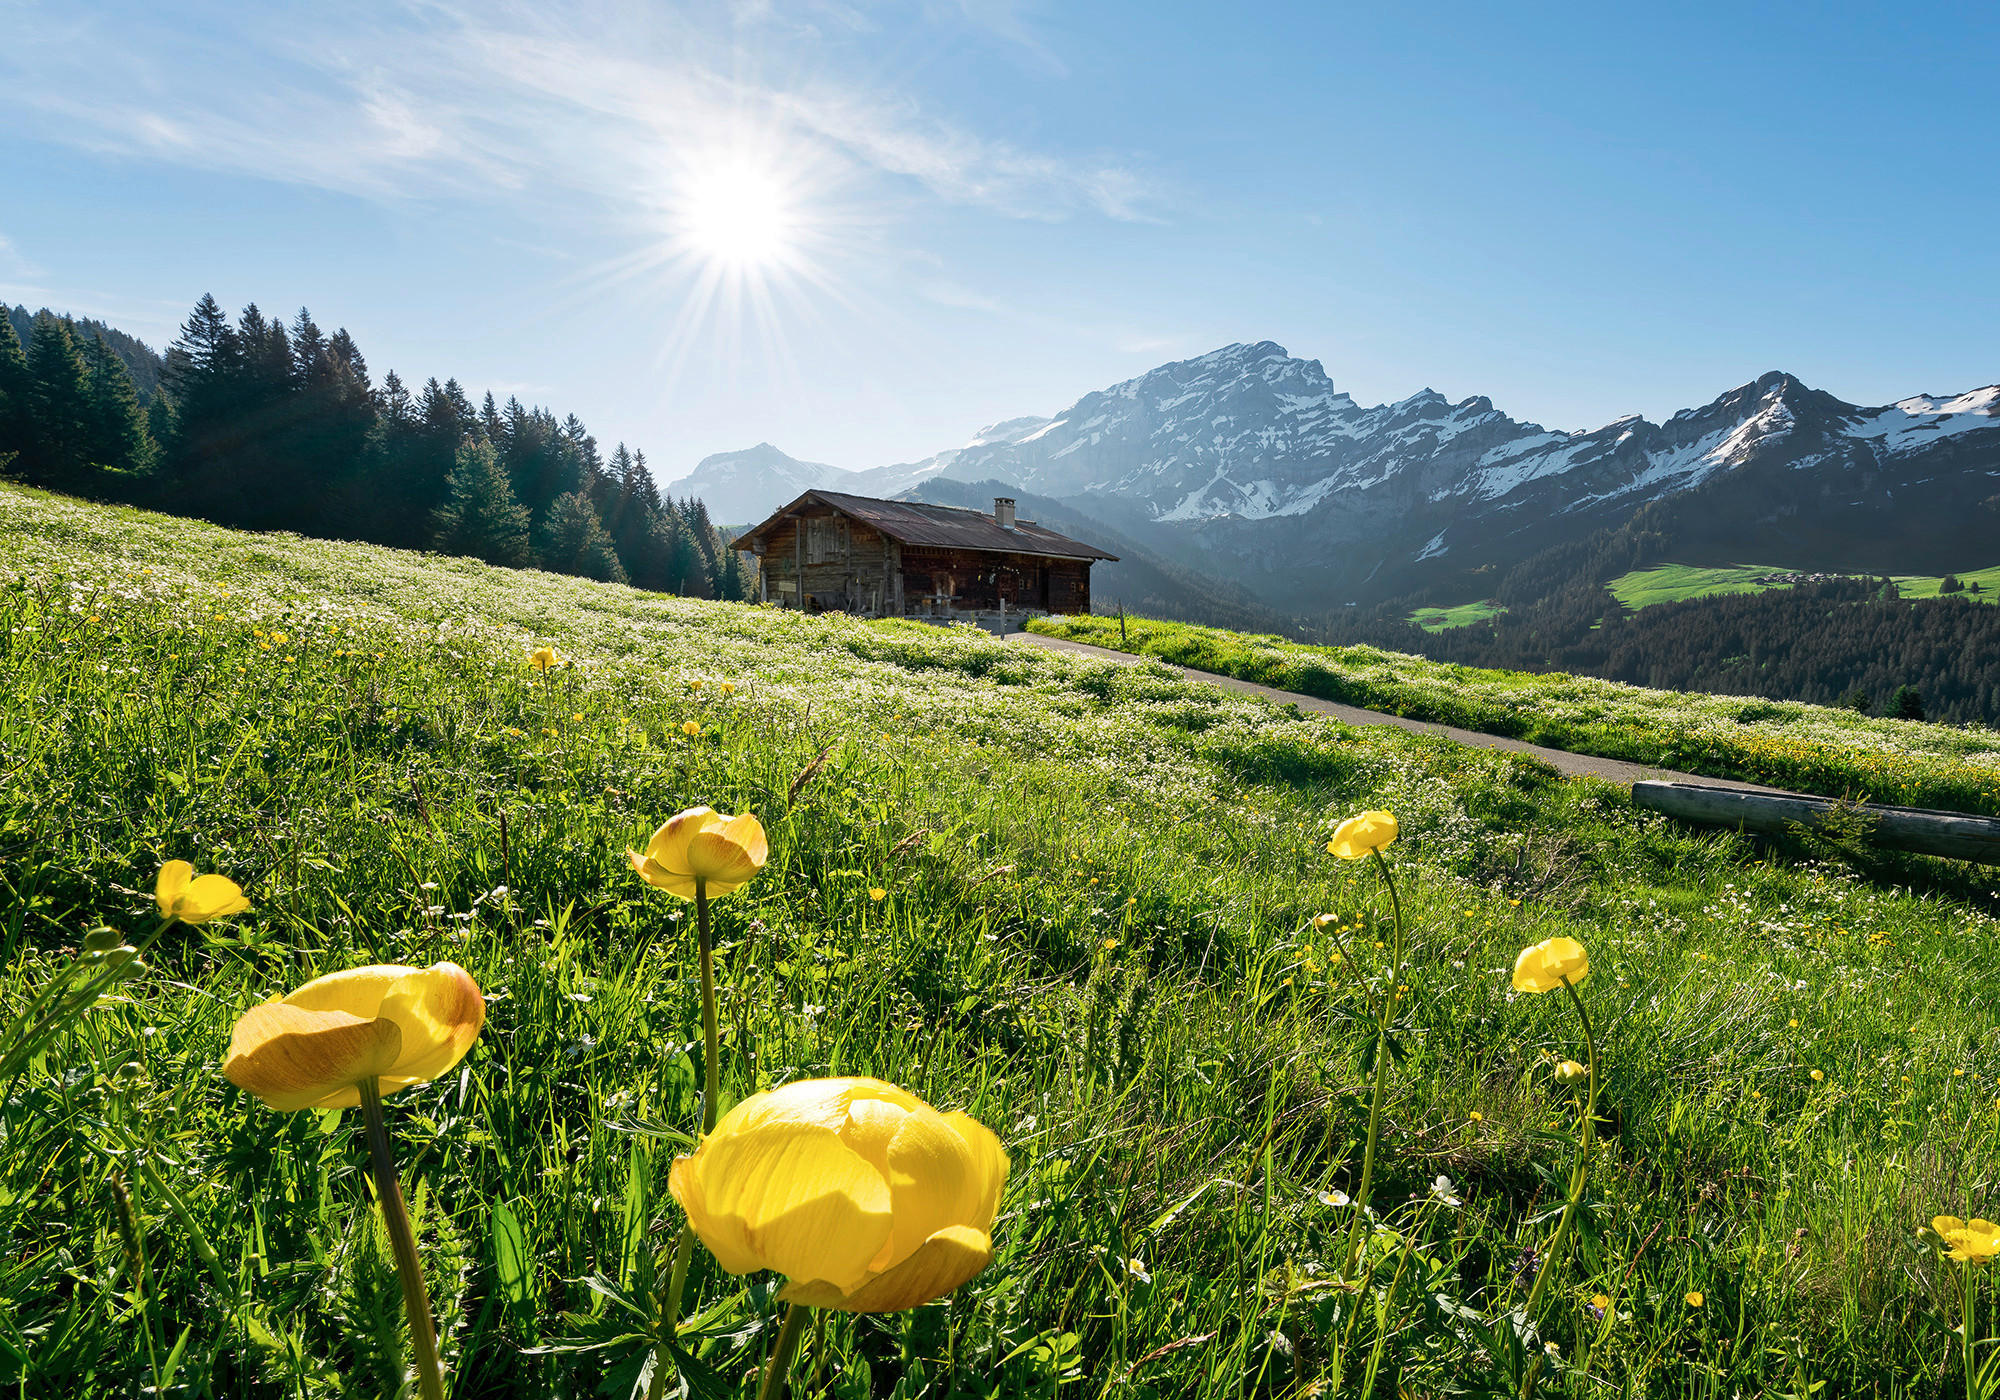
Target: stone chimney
{"type": "Point", "coordinates": [1003, 512]}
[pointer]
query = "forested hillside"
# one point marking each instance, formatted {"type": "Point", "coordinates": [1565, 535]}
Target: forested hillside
{"type": "Point", "coordinates": [265, 426]}
{"type": "Point", "coordinates": [141, 360]}
{"type": "Point", "coordinates": [1853, 641]}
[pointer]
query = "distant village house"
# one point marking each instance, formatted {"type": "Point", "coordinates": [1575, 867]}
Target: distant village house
{"type": "Point", "coordinates": [828, 552]}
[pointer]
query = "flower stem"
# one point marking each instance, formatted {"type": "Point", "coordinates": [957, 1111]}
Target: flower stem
{"type": "Point", "coordinates": [712, 1090]}
{"type": "Point", "coordinates": [1966, 1277]}
{"type": "Point", "coordinates": [416, 1298]}
{"type": "Point", "coordinates": [670, 1309]}
{"type": "Point", "coordinates": [1586, 1138]}
{"type": "Point", "coordinates": [1381, 1072]}
{"type": "Point", "coordinates": [787, 1346]}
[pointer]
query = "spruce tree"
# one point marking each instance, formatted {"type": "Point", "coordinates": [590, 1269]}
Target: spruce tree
{"type": "Point", "coordinates": [59, 403]}
{"type": "Point", "coordinates": [14, 411]}
{"type": "Point", "coordinates": [480, 516]}
{"type": "Point", "coordinates": [574, 541]}
{"type": "Point", "coordinates": [117, 440]}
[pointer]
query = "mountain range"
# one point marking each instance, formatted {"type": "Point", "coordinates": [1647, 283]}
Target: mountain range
{"type": "Point", "coordinates": [1249, 465]}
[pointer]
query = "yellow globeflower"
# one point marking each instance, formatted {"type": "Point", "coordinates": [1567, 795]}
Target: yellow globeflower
{"type": "Point", "coordinates": [864, 1196]}
{"type": "Point", "coordinates": [1359, 837]}
{"type": "Point", "coordinates": [1568, 1071]}
{"type": "Point", "coordinates": [1971, 1241]}
{"type": "Point", "coordinates": [1549, 964]}
{"type": "Point", "coordinates": [703, 844]}
{"type": "Point", "coordinates": [397, 1025]}
{"type": "Point", "coordinates": [542, 658]}
{"type": "Point", "coordinates": [195, 899]}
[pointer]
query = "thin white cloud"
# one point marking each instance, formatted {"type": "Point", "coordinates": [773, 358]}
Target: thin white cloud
{"type": "Point", "coordinates": [431, 101]}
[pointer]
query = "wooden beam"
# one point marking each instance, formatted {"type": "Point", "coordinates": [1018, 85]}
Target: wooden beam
{"type": "Point", "coordinates": [1954, 835]}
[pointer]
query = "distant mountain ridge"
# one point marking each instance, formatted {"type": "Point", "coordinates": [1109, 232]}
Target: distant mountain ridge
{"type": "Point", "coordinates": [1249, 464]}
{"type": "Point", "coordinates": [741, 488]}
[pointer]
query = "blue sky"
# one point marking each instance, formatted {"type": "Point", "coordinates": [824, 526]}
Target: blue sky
{"type": "Point", "coordinates": [985, 208]}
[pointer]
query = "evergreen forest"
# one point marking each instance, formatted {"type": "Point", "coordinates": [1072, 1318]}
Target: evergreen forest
{"type": "Point", "coordinates": [265, 425]}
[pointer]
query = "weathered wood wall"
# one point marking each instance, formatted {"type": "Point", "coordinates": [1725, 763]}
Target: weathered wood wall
{"type": "Point", "coordinates": [823, 561]}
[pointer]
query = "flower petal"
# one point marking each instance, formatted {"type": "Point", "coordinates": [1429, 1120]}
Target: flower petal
{"type": "Point", "coordinates": [943, 1262]}
{"type": "Point", "coordinates": [668, 848]}
{"type": "Point", "coordinates": [356, 990]}
{"type": "Point", "coordinates": [210, 897]}
{"type": "Point", "coordinates": [293, 1057]}
{"type": "Point", "coordinates": [805, 1204]}
{"type": "Point", "coordinates": [174, 878]}
{"type": "Point", "coordinates": [439, 1012]}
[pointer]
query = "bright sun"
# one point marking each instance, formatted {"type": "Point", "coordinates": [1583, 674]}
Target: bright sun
{"type": "Point", "coordinates": [737, 217]}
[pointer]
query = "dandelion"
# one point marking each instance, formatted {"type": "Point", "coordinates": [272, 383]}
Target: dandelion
{"type": "Point", "coordinates": [691, 729]}
{"type": "Point", "coordinates": [727, 688]}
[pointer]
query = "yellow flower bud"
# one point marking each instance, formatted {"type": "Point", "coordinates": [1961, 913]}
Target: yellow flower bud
{"type": "Point", "coordinates": [865, 1197]}
{"type": "Point", "coordinates": [1569, 1071]}
{"type": "Point", "coordinates": [702, 844]}
{"type": "Point", "coordinates": [196, 899]}
{"type": "Point", "coordinates": [1548, 965]}
{"type": "Point", "coordinates": [397, 1025]}
{"type": "Point", "coordinates": [1358, 837]}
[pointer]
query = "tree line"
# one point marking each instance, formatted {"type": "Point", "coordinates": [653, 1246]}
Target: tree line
{"type": "Point", "coordinates": [265, 426]}
{"type": "Point", "coordinates": [1853, 642]}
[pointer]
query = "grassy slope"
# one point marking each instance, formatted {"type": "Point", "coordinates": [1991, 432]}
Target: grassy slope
{"type": "Point", "coordinates": [1674, 583]}
{"type": "Point", "coordinates": [1095, 938]}
{"type": "Point", "coordinates": [1464, 615]}
{"type": "Point", "coordinates": [1810, 748]}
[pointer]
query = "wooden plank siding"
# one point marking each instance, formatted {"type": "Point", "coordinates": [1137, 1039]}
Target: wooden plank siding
{"type": "Point", "coordinates": [847, 566]}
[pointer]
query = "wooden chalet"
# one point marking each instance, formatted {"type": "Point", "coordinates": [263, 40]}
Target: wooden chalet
{"type": "Point", "coordinates": [828, 552]}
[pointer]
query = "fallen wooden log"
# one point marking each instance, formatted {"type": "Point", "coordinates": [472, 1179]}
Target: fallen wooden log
{"type": "Point", "coordinates": [1955, 835]}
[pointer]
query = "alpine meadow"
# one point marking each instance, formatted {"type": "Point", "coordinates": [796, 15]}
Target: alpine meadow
{"type": "Point", "coordinates": [1269, 1130]}
{"type": "Point", "coordinates": [998, 700]}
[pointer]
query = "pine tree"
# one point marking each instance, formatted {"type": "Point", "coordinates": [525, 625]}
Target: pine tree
{"type": "Point", "coordinates": [162, 422]}
{"type": "Point", "coordinates": [480, 516]}
{"type": "Point", "coordinates": [59, 404]}
{"type": "Point", "coordinates": [117, 440]}
{"type": "Point", "coordinates": [14, 411]}
{"type": "Point", "coordinates": [574, 541]}
{"type": "Point", "coordinates": [1906, 703]}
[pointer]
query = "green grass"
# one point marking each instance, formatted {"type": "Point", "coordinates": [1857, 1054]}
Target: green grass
{"type": "Point", "coordinates": [1809, 748]}
{"type": "Point", "coordinates": [1464, 615]}
{"type": "Point", "coordinates": [1676, 583]}
{"type": "Point", "coordinates": [1097, 939]}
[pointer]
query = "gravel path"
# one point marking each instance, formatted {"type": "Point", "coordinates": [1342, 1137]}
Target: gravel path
{"type": "Point", "coordinates": [1576, 765]}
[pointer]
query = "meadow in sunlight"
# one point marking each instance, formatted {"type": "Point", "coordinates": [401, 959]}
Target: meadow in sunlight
{"type": "Point", "coordinates": [1261, 1138]}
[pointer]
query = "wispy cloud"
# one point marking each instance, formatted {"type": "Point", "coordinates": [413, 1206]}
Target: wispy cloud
{"type": "Point", "coordinates": [431, 101]}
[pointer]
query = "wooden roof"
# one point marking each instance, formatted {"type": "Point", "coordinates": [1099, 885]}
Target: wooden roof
{"type": "Point", "coordinates": [936, 527]}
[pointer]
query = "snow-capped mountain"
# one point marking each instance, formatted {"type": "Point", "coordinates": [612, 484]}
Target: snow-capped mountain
{"type": "Point", "coordinates": [1272, 476]}
{"type": "Point", "coordinates": [1251, 465]}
